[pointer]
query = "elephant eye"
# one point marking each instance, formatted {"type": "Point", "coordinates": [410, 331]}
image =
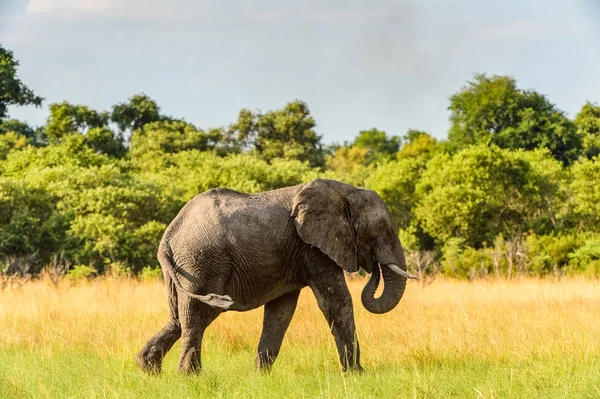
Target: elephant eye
{"type": "Point", "coordinates": [380, 227]}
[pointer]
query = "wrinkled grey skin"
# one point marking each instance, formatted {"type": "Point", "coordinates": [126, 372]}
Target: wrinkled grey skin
{"type": "Point", "coordinates": [227, 250]}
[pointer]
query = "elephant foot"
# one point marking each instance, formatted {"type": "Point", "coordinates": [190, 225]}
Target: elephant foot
{"type": "Point", "coordinates": [357, 368]}
{"type": "Point", "coordinates": [149, 361]}
{"type": "Point", "coordinates": [265, 369]}
{"type": "Point", "coordinates": [194, 370]}
{"type": "Point", "coordinates": [264, 360]}
{"type": "Point", "coordinates": [190, 362]}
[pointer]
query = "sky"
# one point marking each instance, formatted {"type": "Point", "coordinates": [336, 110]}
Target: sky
{"type": "Point", "coordinates": [392, 65]}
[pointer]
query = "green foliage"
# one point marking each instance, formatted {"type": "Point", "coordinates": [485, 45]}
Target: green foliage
{"type": "Point", "coordinates": [546, 254]}
{"type": "Point", "coordinates": [81, 272]}
{"type": "Point", "coordinates": [417, 144]}
{"type": "Point", "coordinates": [185, 174]}
{"type": "Point", "coordinates": [482, 191]}
{"type": "Point", "coordinates": [535, 255]}
{"type": "Point", "coordinates": [492, 110]}
{"type": "Point", "coordinates": [354, 162]}
{"type": "Point", "coordinates": [71, 152]}
{"type": "Point", "coordinates": [169, 137]}
{"type": "Point", "coordinates": [103, 141]}
{"type": "Point", "coordinates": [585, 193]}
{"type": "Point", "coordinates": [26, 225]}
{"type": "Point", "coordinates": [588, 127]}
{"type": "Point", "coordinates": [66, 118]}
{"type": "Point", "coordinates": [514, 190]}
{"type": "Point", "coordinates": [67, 197]}
{"type": "Point", "coordinates": [395, 183]}
{"type": "Point", "coordinates": [466, 263]}
{"type": "Point", "coordinates": [16, 126]}
{"type": "Point", "coordinates": [151, 273]}
{"type": "Point", "coordinates": [381, 148]}
{"type": "Point", "coordinates": [351, 165]}
{"type": "Point", "coordinates": [11, 141]}
{"type": "Point", "coordinates": [586, 258]}
{"type": "Point", "coordinates": [286, 133]}
{"type": "Point", "coordinates": [12, 90]}
{"type": "Point", "coordinates": [116, 269]}
{"type": "Point", "coordinates": [136, 112]}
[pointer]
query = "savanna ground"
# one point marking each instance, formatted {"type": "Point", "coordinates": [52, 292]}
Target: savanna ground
{"type": "Point", "coordinates": [526, 338]}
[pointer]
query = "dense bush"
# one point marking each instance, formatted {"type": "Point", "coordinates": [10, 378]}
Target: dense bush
{"type": "Point", "coordinates": [515, 190]}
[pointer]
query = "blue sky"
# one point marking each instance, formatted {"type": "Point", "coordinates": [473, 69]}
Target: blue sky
{"type": "Point", "coordinates": [358, 64]}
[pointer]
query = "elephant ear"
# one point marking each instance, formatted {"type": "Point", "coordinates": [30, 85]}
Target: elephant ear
{"type": "Point", "coordinates": [320, 212]}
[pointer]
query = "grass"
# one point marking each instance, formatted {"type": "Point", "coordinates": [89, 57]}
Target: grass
{"type": "Point", "coordinates": [528, 338]}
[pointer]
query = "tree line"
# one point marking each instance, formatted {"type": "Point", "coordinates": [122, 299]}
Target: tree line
{"type": "Point", "coordinates": [513, 190]}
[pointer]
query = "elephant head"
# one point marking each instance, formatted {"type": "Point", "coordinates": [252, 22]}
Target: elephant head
{"type": "Point", "coordinates": [355, 229]}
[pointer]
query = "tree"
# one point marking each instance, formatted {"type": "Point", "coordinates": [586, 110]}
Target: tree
{"type": "Point", "coordinates": [135, 113]}
{"type": "Point", "coordinates": [482, 191]}
{"type": "Point", "coordinates": [585, 193]}
{"type": "Point", "coordinates": [588, 127]}
{"type": "Point", "coordinates": [24, 211]}
{"type": "Point", "coordinates": [11, 141]}
{"type": "Point", "coordinates": [12, 90]}
{"type": "Point", "coordinates": [244, 129]}
{"type": "Point", "coordinates": [395, 183]}
{"type": "Point", "coordinates": [35, 137]}
{"type": "Point", "coordinates": [285, 133]}
{"type": "Point", "coordinates": [66, 118]}
{"type": "Point", "coordinates": [223, 141]}
{"type": "Point", "coordinates": [380, 147]}
{"type": "Point", "coordinates": [169, 137]}
{"type": "Point", "coordinates": [493, 110]}
{"type": "Point", "coordinates": [416, 143]}
{"type": "Point", "coordinates": [104, 141]}
{"type": "Point", "coordinates": [16, 126]}
{"type": "Point", "coordinates": [350, 164]}
{"type": "Point", "coordinates": [32, 183]}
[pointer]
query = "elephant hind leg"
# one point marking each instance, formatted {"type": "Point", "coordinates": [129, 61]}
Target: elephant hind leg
{"type": "Point", "coordinates": [277, 317]}
{"type": "Point", "coordinates": [195, 317]}
{"type": "Point", "coordinates": [150, 358]}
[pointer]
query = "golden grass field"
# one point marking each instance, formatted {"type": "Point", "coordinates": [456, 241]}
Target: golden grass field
{"type": "Point", "coordinates": [486, 339]}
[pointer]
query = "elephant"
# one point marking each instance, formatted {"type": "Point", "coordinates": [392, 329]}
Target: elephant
{"type": "Point", "coordinates": [232, 251]}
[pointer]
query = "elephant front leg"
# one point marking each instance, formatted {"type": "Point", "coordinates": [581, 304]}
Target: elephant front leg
{"type": "Point", "coordinates": [335, 302]}
{"type": "Point", "coordinates": [277, 317]}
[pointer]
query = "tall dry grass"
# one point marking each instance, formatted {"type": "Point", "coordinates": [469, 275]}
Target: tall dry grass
{"type": "Point", "coordinates": [448, 320]}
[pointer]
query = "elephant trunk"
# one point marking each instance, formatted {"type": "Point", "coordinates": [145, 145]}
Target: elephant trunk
{"type": "Point", "coordinates": [394, 279]}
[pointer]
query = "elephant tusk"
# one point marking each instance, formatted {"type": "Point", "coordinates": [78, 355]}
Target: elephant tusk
{"type": "Point", "coordinates": [401, 272]}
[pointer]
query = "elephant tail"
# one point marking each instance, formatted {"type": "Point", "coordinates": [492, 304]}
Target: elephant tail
{"type": "Point", "coordinates": [217, 301]}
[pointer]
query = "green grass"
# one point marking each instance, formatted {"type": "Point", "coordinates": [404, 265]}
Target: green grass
{"type": "Point", "coordinates": [303, 373]}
